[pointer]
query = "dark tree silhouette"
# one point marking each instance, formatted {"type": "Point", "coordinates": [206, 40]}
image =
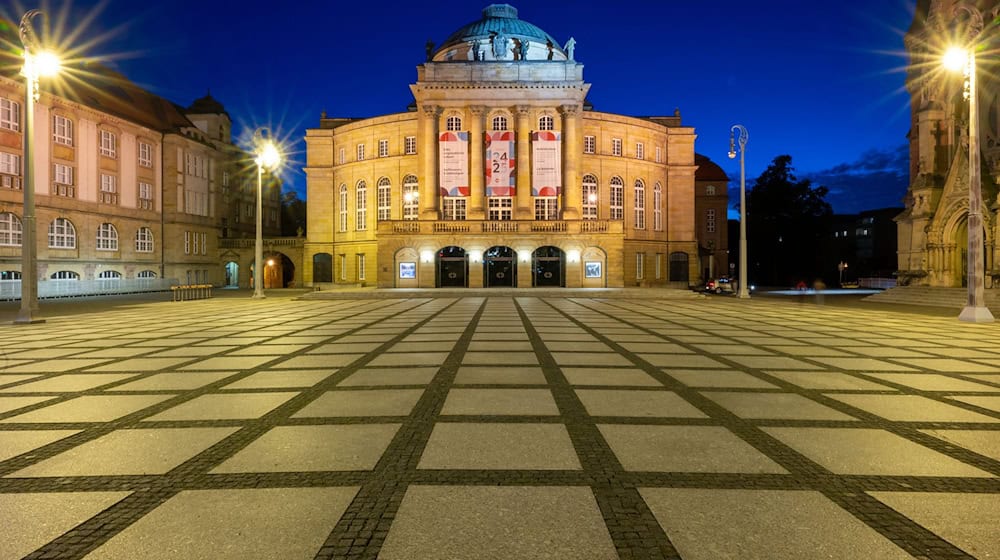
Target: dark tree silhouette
{"type": "Point", "coordinates": [293, 214]}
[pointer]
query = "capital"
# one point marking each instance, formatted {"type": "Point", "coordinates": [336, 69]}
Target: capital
{"type": "Point", "coordinates": [431, 110]}
{"type": "Point", "coordinates": [569, 110]}
{"type": "Point", "coordinates": [522, 110]}
{"type": "Point", "coordinates": [477, 110]}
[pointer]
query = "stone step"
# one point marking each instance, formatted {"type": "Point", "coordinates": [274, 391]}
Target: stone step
{"type": "Point", "coordinates": [954, 298]}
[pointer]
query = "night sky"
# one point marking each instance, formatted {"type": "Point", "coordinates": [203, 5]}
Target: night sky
{"type": "Point", "coordinates": [821, 81]}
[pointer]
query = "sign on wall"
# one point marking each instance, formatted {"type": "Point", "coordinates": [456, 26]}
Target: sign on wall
{"type": "Point", "coordinates": [453, 148]}
{"type": "Point", "coordinates": [500, 163]}
{"type": "Point", "coordinates": [546, 163]}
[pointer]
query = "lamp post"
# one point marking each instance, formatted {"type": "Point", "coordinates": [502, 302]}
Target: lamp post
{"type": "Point", "coordinates": [37, 63]}
{"type": "Point", "coordinates": [744, 291]}
{"type": "Point", "coordinates": [975, 310]}
{"type": "Point", "coordinates": [840, 267]}
{"type": "Point", "coordinates": [268, 158]}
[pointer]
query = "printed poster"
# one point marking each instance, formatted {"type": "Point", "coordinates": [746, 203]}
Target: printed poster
{"type": "Point", "coordinates": [546, 163]}
{"type": "Point", "coordinates": [500, 163]}
{"type": "Point", "coordinates": [453, 148]}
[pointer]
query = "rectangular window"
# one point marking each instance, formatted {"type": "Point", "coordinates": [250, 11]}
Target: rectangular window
{"type": "Point", "coordinates": [10, 164]}
{"type": "Point", "coordinates": [640, 150]}
{"type": "Point", "coordinates": [589, 199]}
{"type": "Point", "coordinates": [145, 154]}
{"type": "Point", "coordinates": [640, 265]}
{"type": "Point", "coordinates": [409, 199]}
{"type": "Point", "coordinates": [343, 267]}
{"type": "Point", "coordinates": [361, 266]}
{"type": "Point", "coordinates": [204, 243]}
{"type": "Point", "coordinates": [500, 208]}
{"type": "Point", "coordinates": [659, 154]}
{"type": "Point", "coordinates": [361, 152]}
{"type": "Point", "coordinates": [710, 220]}
{"type": "Point", "coordinates": [383, 148]}
{"type": "Point", "coordinates": [342, 156]}
{"type": "Point", "coordinates": [384, 202]}
{"type": "Point", "coordinates": [62, 130]}
{"type": "Point", "coordinates": [109, 144]}
{"type": "Point", "coordinates": [62, 184]}
{"type": "Point", "coordinates": [454, 208]}
{"type": "Point", "coordinates": [617, 202]}
{"type": "Point", "coordinates": [410, 145]}
{"type": "Point", "coordinates": [10, 114]}
{"type": "Point", "coordinates": [145, 196]}
{"type": "Point", "coordinates": [546, 208]}
{"type": "Point", "coordinates": [109, 189]}
{"type": "Point", "coordinates": [589, 144]}
{"type": "Point", "coordinates": [187, 242]}
{"type": "Point", "coordinates": [659, 266]}
{"type": "Point", "coordinates": [361, 210]}
{"type": "Point", "coordinates": [616, 146]}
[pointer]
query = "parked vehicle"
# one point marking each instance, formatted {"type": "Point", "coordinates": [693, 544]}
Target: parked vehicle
{"type": "Point", "coordinates": [724, 285]}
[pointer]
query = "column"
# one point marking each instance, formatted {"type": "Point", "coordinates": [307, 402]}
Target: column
{"type": "Point", "coordinates": [476, 174]}
{"type": "Point", "coordinates": [428, 162]}
{"type": "Point", "coordinates": [522, 206]}
{"type": "Point", "coordinates": [571, 154]}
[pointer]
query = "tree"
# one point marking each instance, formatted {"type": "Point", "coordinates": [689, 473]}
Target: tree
{"type": "Point", "coordinates": [293, 214]}
{"type": "Point", "coordinates": [787, 222]}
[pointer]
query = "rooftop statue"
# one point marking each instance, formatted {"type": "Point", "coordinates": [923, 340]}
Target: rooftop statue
{"type": "Point", "coordinates": [570, 45]}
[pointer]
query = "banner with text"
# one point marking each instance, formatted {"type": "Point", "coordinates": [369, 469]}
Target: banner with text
{"type": "Point", "coordinates": [500, 163]}
{"type": "Point", "coordinates": [453, 149]}
{"type": "Point", "coordinates": [546, 163]}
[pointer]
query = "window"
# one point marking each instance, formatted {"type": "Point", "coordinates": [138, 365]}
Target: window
{"type": "Point", "coordinates": [109, 189]}
{"type": "Point", "coordinates": [410, 197]}
{"type": "Point", "coordinates": [640, 205]}
{"type": "Point", "coordinates": [546, 208]}
{"type": "Point", "coordinates": [710, 190]}
{"type": "Point", "coordinates": [546, 122]}
{"type": "Point", "coordinates": [361, 207]}
{"type": "Point", "coordinates": [10, 171]}
{"type": "Point", "coordinates": [64, 275]}
{"type": "Point", "coordinates": [616, 146]}
{"type": "Point", "coordinates": [144, 240]}
{"type": "Point", "coordinates": [640, 150]}
{"type": "Point", "coordinates": [361, 266]}
{"type": "Point", "coordinates": [322, 267]}
{"type": "Point", "coordinates": [361, 152]}
{"type": "Point", "coordinates": [589, 144]}
{"type": "Point", "coordinates": [499, 123]}
{"type": "Point", "coordinates": [10, 230]}
{"type": "Point", "coordinates": [710, 220]}
{"type": "Point", "coordinates": [454, 208]}
{"type": "Point", "coordinates": [640, 266]}
{"type": "Point", "coordinates": [107, 238]}
{"type": "Point", "coordinates": [109, 144]}
{"type": "Point", "coordinates": [659, 154]}
{"type": "Point", "coordinates": [10, 274]}
{"type": "Point", "coordinates": [109, 275]}
{"type": "Point", "coordinates": [62, 130]}
{"type": "Point", "coordinates": [617, 198]}
{"type": "Point", "coordinates": [343, 267]}
{"type": "Point", "coordinates": [146, 157]}
{"type": "Point", "coordinates": [225, 178]}
{"type": "Point", "coordinates": [10, 114]}
{"type": "Point", "coordinates": [343, 207]}
{"type": "Point", "coordinates": [204, 243]}
{"type": "Point", "coordinates": [453, 123]}
{"type": "Point", "coordinates": [62, 180]}
{"type": "Point", "coordinates": [589, 197]}
{"type": "Point", "coordinates": [678, 267]}
{"type": "Point", "coordinates": [384, 196]}
{"type": "Point", "coordinates": [342, 156]}
{"type": "Point", "coordinates": [187, 242]}
{"type": "Point", "coordinates": [145, 201]}
{"type": "Point", "coordinates": [62, 234]}
{"type": "Point", "coordinates": [500, 208]}
{"type": "Point", "coordinates": [410, 145]}
{"type": "Point", "coordinates": [659, 266]}
{"type": "Point", "coordinates": [657, 208]}
{"type": "Point", "coordinates": [383, 148]}
{"type": "Point", "coordinates": [146, 274]}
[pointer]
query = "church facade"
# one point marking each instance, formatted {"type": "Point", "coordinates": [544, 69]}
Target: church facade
{"type": "Point", "coordinates": [501, 175]}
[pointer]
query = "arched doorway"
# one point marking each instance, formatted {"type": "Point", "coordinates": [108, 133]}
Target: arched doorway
{"type": "Point", "coordinates": [679, 267]}
{"type": "Point", "coordinates": [548, 265]}
{"type": "Point", "coordinates": [452, 268]}
{"type": "Point", "coordinates": [232, 274]}
{"type": "Point", "coordinates": [500, 267]}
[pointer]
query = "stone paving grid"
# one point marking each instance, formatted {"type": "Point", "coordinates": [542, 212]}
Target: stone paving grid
{"type": "Point", "coordinates": [747, 389]}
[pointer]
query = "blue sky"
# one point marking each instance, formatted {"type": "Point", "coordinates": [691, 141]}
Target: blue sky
{"type": "Point", "coordinates": [821, 81]}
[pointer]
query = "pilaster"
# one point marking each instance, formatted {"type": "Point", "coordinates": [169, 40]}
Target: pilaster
{"type": "Point", "coordinates": [428, 162]}
{"type": "Point", "coordinates": [476, 173]}
{"type": "Point", "coordinates": [571, 154]}
{"type": "Point", "coordinates": [522, 206]}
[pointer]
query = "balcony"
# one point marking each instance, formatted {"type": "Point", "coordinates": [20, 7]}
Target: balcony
{"type": "Point", "coordinates": [249, 243]}
{"type": "Point", "coordinates": [573, 227]}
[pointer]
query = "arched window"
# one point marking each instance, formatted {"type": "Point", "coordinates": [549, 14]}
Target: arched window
{"type": "Point", "coordinates": [10, 274]}
{"type": "Point", "coordinates": [499, 122]}
{"type": "Point", "coordinates": [146, 274]}
{"type": "Point", "coordinates": [109, 275]}
{"type": "Point", "coordinates": [361, 206]}
{"type": "Point", "coordinates": [453, 123]}
{"type": "Point", "coordinates": [546, 122]}
{"type": "Point", "coordinates": [10, 230]}
{"type": "Point", "coordinates": [62, 234]}
{"type": "Point", "coordinates": [343, 207]}
{"type": "Point", "coordinates": [107, 237]}
{"type": "Point", "coordinates": [590, 197]}
{"type": "Point", "coordinates": [617, 205]}
{"type": "Point", "coordinates": [384, 199]}
{"type": "Point", "coordinates": [410, 197]}
{"type": "Point", "coordinates": [144, 240]}
{"type": "Point", "coordinates": [657, 208]}
{"type": "Point", "coordinates": [64, 275]}
{"type": "Point", "coordinates": [640, 204]}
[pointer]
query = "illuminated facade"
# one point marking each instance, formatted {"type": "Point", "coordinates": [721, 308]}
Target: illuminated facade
{"type": "Point", "coordinates": [501, 175]}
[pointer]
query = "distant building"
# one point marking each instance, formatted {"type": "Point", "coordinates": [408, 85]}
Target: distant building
{"type": "Point", "coordinates": [711, 209]}
{"type": "Point", "coordinates": [865, 242]}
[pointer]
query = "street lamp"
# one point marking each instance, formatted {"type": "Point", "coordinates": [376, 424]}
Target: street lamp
{"type": "Point", "coordinates": [964, 59]}
{"type": "Point", "coordinates": [37, 63]}
{"type": "Point", "coordinates": [268, 157]}
{"type": "Point", "coordinates": [840, 267]}
{"type": "Point", "coordinates": [744, 292]}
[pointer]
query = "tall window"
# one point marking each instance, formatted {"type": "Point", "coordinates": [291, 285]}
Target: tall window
{"type": "Point", "coordinates": [453, 123]}
{"type": "Point", "coordinates": [410, 145]}
{"type": "Point", "coordinates": [187, 242]}
{"type": "Point", "coordinates": [657, 208]}
{"type": "Point", "coordinates": [361, 152]}
{"type": "Point", "coordinates": [640, 204]}
{"type": "Point", "coordinates": [107, 238]}
{"type": "Point", "coordinates": [640, 266]}
{"type": "Point", "coordinates": [145, 154]}
{"type": "Point", "coordinates": [10, 230]}
{"type": "Point", "coordinates": [659, 154]}
{"type": "Point", "coordinates": [384, 199]}
{"type": "Point", "coordinates": [144, 240]}
{"type": "Point", "coordinates": [499, 123]}
{"type": "Point", "coordinates": [62, 130]}
{"type": "Point", "coordinates": [343, 267]}
{"type": "Point", "coordinates": [10, 170]}
{"type": "Point", "coordinates": [10, 114]}
{"type": "Point", "coordinates": [454, 208]}
{"type": "Point", "coordinates": [361, 203]}
{"type": "Point", "coordinates": [145, 201]}
{"type": "Point", "coordinates": [710, 220]}
{"type": "Point", "coordinates": [342, 156]}
{"type": "Point", "coordinates": [410, 197]}
{"type": "Point", "coordinates": [617, 198]}
{"type": "Point", "coordinates": [589, 144]}
{"type": "Point", "coordinates": [383, 148]}
{"type": "Point", "coordinates": [109, 144]}
{"type": "Point", "coordinates": [361, 266]}
{"type": "Point", "coordinates": [546, 208]}
{"type": "Point", "coordinates": [343, 207]}
{"type": "Point", "coordinates": [658, 266]}
{"type": "Point", "coordinates": [616, 146]}
{"type": "Point", "coordinates": [501, 207]}
{"type": "Point", "coordinates": [62, 234]}
{"type": "Point", "coordinates": [62, 180]}
{"type": "Point", "coordinates": [109, 189]}
{"type": "Point", "coordinates": [640, 150]}
{"type": "Point", "coordinates": [546, 122]}
{"type": "Point", "coordinates": [590, 197]}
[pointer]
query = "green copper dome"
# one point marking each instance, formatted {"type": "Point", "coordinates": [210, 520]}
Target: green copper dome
{"type": "Point", "coordinates": [499, 19]}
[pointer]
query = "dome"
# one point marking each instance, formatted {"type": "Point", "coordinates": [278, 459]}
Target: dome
{"type": "Point", "coordinates": [207, 105]}
{"type": "Point", "coordinates": [478, 40]}
{"type": "Point", "coordinates": [708, 170]}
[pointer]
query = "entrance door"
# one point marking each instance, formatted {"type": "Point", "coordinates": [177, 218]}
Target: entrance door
{"type": "Point", "coordinates": [500, 267]}
{"type": "Point", "coordinates": [547, 268]}
{"type": "Point", "coordinates": [452, 268]}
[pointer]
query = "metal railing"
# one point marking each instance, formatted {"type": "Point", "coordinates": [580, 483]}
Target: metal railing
{"type": "Point", "coordinates": [185, 292]}
{"type": "Point", "coordinates": [427, 227]}
{"type": "Point", "coordinates": [11, 289]}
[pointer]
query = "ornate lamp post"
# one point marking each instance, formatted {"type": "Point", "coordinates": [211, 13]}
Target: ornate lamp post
{"type": "Point", "coordinates": [962, 58]}
{"type": "Point", "coordinates": [37, 63]}
{"type": "Point", "coordinates": [268, 157]}
{"type": "Point", "coordinates": [744, 291]}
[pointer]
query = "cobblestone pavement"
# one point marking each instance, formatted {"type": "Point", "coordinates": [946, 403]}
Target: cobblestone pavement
{"type": "Point", "coordinates": [499, 427]}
